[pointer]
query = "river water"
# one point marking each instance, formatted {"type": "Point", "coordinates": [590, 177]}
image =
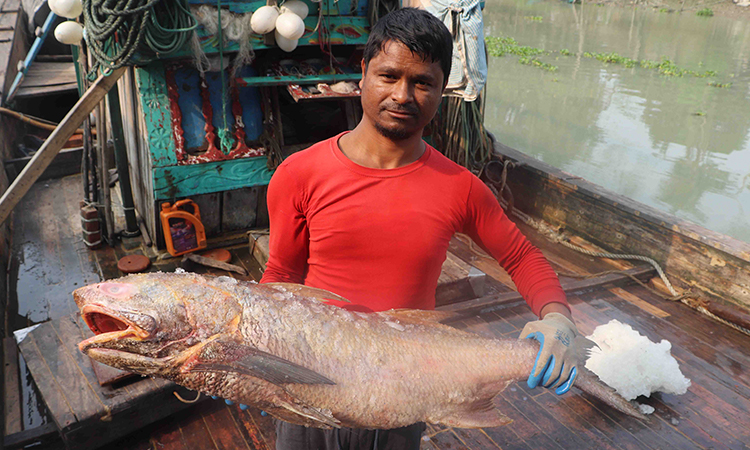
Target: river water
{"type": "Point", "coordinates": [675, 143]}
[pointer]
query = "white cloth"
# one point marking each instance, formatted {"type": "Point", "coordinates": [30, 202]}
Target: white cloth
{"type": "Point", "coordinates": [469, 66]}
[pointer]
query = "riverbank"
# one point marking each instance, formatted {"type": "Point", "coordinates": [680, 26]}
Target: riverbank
{"type": "Point", "coordinates": [719, 8]}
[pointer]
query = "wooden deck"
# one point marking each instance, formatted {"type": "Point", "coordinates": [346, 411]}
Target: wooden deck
{"type": "Point", "coordinates": [50, 261]}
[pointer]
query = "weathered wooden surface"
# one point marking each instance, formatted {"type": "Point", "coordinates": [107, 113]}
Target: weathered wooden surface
{"type": "Point", "coordinates": [44, 78]}
{"type": "Point", "coordinates": [709, 263]}
{"type": "Point", "coordinates": [87, 414]}
{"type": "Point", "coordinates": [12, 388]}
{"type": "Point", "coordinates": [53, 144]}
{"type": "Point", "coordinates": [13, 42]}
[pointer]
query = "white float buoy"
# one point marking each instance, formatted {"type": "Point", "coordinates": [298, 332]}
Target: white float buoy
{"type": "Point", "coordinates": [264, 19]}
{"type": "Point", "coordinates": [69, 32]}
{"type": "Point", "coordinates": [297, 7]}
{"type": "Point", "coordinates": [290, 25]}
{"type": "Point", "coordinates": [70, 9]}
{"type": "Point", "coordinates": [285, 44]}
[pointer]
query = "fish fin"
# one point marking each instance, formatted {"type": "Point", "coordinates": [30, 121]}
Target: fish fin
{"type": "Point", "coordinates": [317, 294]}
{"type": "Point", "coordinates": [418, 315]}
{"type": "Point", "coordinates": [220, 356]}
{"type": "Point", "coordinates": [319, 417]}
{"type": "Point", "coordinates": [479, 414]}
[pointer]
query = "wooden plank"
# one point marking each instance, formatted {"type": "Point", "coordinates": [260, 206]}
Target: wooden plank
{"type": "Point", "coordinates": [644, 305]}
{"type": "Point", "coordinates": [55, 141]}
{"type": "Point", "coordinates": [726, 407]}
{"type": "Point", "coordinates": [186, 181]}
{"type": "Point", "coordinates": [78, 392]}
{"type": "Point", "coordinates": [37, 91]}
{"type": "Point", "coordinates": [251, 432]}
{"type": "Point", "coordinates": [224, 430]}
{"type": "Point", "coordinates": [494, 302]}
{"type": "Point", "coordinates": [45, 380]}
{"type": "Point", "coordinates": [458, 281]}
{"type": "Point", "coordinates": [44, 436]}
{"type": "Point", "coordinates": [12, 388]}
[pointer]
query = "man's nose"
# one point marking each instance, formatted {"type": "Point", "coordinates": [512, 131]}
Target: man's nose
{"type": "Point", "coordinates": [403, 92]}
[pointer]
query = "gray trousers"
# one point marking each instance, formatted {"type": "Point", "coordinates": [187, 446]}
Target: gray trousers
{"type": "Point", "coordinates": [296, 437]}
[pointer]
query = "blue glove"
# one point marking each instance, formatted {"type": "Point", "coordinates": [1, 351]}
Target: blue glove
{"type": "Point", "coordinates": [556, 363]}
{"type": "Point", "coordinates": [230, 403]}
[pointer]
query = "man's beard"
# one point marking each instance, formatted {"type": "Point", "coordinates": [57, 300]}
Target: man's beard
{"type": "Point", "coordinates": [394, 134]}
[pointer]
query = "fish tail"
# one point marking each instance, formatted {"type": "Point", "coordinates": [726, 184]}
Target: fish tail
{"type": "Point", "coordinates": [588, 382]}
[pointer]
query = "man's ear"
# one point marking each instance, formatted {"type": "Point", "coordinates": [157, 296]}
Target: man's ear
{"type": "Point", "coordinates": [363, 65]}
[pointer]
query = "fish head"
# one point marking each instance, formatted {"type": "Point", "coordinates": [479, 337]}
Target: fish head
{"type": "Point", "coordinates": [150, 323]}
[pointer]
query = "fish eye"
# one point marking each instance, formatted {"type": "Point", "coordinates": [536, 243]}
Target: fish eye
{"type": "Point", "coordinates": [115, 289]}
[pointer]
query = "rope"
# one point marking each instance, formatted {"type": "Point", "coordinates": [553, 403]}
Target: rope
{"type": "Point", "coordinates": [115, 29]}
{"type": "Point", "coordinates": [225, 138]}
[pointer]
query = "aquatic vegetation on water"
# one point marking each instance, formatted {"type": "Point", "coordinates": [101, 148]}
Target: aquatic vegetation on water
{"type": "Point", "coordinates": [611, 58]}
{"type": "Point", "coordinates": [536, 63]}
{"type": "Point", "coordinates": [499, 46]}
{"type": "Point", "coordinates": [705, 12]}
{"type": "Point", "coordinates": [534, 18]}
{"type": "Point", "coordinates": [719, 85]}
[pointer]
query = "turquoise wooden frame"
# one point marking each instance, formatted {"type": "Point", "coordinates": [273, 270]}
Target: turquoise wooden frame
{"type": "Point", "coordinates": [171, 180]}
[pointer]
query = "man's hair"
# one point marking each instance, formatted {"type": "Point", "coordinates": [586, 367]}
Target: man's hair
{"type": "Point", "coordinates": [421, 32]}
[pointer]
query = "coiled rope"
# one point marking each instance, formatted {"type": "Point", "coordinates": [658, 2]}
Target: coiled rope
{"type": "Point", "coordinates": [116, 29]}
{"type": "Point", "coordinates": [553, 235]}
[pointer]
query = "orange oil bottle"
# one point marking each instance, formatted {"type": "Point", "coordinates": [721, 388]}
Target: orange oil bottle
{"type": "Point", "coordinates": [182, 227]}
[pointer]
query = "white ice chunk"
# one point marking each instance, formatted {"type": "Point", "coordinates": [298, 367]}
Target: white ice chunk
{"type": "Point", "coordinates": [180, 270]}
{"type": "Point", "coordinates": [645, 409]}
{"type": "Point", "coordinates": [633, 365]}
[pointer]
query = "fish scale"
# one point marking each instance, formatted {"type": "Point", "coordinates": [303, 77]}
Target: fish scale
{"type": "Point", "coordinates": [282, 348]}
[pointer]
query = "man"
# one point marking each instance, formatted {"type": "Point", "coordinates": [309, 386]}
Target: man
{"type": "Point", "coordinates": [369, 213]}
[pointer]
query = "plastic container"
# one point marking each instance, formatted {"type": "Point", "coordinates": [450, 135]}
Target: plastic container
{"type": "Point", "coordinates": [182, 227]}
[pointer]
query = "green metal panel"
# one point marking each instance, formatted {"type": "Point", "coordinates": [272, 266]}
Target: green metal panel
{"type": "Point", "coordinates": [183, 181]}
{"type": "Point", "coordinates": [152, 90]}
{"type": "Point", "coordinates": [289, 79]}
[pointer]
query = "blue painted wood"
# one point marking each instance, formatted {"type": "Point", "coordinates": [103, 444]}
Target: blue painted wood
{"type": "Point", "coordinates": [252, 114]}
{"type": "Point", "coordinates": [213, 79]}
{"type": "Point", "coordinates": [152, 91]}
{"type": "Point", "coordinates": [195, 179]}
{"type": "Point", "coordinates": [189, 101]}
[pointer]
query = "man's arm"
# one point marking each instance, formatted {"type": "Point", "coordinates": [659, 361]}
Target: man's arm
{"type": "Point", "coordinates": [289, 238]}
{"type": "Point", "coordinates": [556, 363]}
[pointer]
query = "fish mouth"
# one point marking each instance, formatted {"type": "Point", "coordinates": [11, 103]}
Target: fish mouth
{"type": "Point", "coordinates": [108, 326]}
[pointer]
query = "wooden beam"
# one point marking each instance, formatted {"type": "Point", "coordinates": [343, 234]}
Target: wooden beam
{"type": "Point", "coordinates": [55, 142]}
{"type": "Point", "coordinates": [490, 303]}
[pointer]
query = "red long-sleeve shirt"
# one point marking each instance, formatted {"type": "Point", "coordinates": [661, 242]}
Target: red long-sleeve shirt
{"type": "Point", "coordinates": [379, 237]}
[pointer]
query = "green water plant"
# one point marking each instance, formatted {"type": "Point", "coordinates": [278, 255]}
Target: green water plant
{"type": "Point", "coordinates": [705, 12]}
{"type": "Point", "coordinates": [565, 52]}
{"type": "Point", "coordinates": [500, 46]}
{"type": "Point", "coordinates": [533, 18]}
{"type": "Point", "coordinates": [719, 85]}
{"type": "Point", "coordinates": [536, 63]}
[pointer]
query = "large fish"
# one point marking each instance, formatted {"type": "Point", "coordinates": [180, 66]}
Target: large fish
{"type": "Point", "coordinates": [281, 348]}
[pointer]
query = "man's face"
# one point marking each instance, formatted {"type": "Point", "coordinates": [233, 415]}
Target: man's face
{"type": "Point", "coordinates": [400, 91]}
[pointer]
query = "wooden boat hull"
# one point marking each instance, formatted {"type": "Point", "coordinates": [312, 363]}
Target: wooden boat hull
{"type": "Point", "coordinates": [714, 266]}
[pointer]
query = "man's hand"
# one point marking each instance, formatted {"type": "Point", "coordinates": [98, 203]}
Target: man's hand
{"type": "Point", "coordinates": [556, 362]}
